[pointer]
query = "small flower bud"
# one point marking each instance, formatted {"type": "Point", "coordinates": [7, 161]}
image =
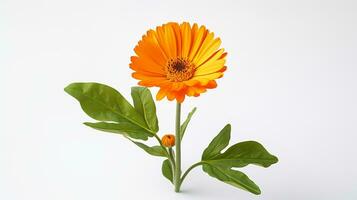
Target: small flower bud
{"type": "Point", "coordinates": [168, 140]}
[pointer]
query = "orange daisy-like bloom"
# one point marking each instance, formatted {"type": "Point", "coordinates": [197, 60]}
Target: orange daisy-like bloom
{"type": "Point", "coordinates": [180, 59]}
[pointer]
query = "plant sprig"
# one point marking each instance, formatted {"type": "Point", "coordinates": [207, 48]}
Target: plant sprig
{"type": "Point", "coordinates": [138, 121]}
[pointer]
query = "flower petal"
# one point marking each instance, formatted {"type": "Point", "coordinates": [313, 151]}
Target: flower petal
{"type": "Point", "coordinates": [161, 94]}
{"type": "Point", "coordinates": [198, 37]}
{"type": "Point", "coordinates": [186, 39]}
{"type": "Point", "coordinates": [211, 68]}
{"type": "Point", "coordinates": [143, 64]}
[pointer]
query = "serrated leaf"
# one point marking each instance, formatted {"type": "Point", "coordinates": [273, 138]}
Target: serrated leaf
{"type": "Point", "coordinates": [232, 177]}
{"type": "Point", "coordinates": [218, 143]}
{"type": "Point", "coordinates": [244, 153]}
{"type": "Point", "coordinates": [154, 150]}
{"type": "Point", "coordinates": [145, 105]}
{"type": "Point", "coordinates": [186, 122]}
{"type": "Point", "coordinates": [104, 103]}
{"type": "Point", "coordinates": [166, 170]}
{"type": "Point", "coordinates": [124, 128]}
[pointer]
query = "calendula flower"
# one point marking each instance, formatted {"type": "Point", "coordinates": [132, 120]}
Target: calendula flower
{"type": "Point", "coordinates": [182, 60]}
{"type": "Point", "coordinates": [168, 140]}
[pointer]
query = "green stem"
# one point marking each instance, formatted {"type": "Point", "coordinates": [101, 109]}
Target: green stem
{"type": "Point", "coordinates": [177, 173]}
{"type": "Point", "coordinates": [172, 159]}
{"type": "Point", "coordinates": [188, 171]}
{"type": "Point", "coordinates": [171, 154]}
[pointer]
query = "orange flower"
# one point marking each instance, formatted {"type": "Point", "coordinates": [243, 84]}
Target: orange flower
{"type": "Point", "coordinates": [168, 140]}
{"type": "Point", "coordinates": [181, 59]}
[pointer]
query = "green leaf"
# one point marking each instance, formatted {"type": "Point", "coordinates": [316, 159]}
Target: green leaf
{"type": "Point", "coordinates": [167, 170]}
{"type": "Point", "coordinates": [132, 132]}
{"type": "Point", "coordinates": [154, 150]}
{"type": "Point", "coordinates": [104, 103]}
{"type": "Point", "coordinates": [244, 153]}
{"type": "Point", "coordinates": [219, 165]}
{"type": "Point", "coordinates": [124, 128]}
{"type": "Point", "coordinates": [218, 143]}
{"type": "Point", "coordinates": [232, 177]}
{"type": "Point", "coordinates": [145, 105]}
{"type": "Point", "coordinates": [238, 155]}
{"type": "Point", "coordinates": [185, 123]}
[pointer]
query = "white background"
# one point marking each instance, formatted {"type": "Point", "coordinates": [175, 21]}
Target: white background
{"type": "Point", "coordinates": [291, 85]}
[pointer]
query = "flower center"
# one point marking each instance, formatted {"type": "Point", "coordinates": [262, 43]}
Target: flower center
{"type": "Point", "coordinates": [179, 69]}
